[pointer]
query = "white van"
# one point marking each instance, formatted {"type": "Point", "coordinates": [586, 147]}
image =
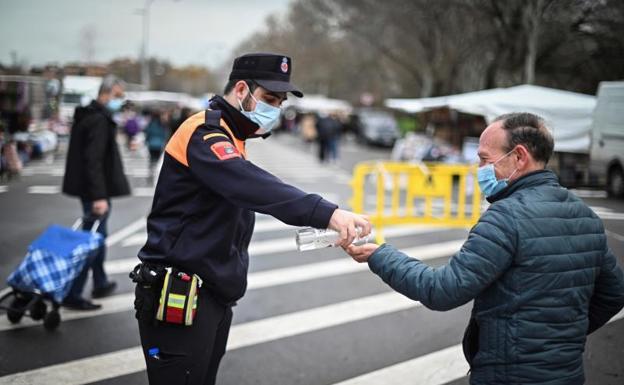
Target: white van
{"type": "Point", "coordinates": [606, 166]}
{"type": "Point", "coordinates": [77, 90]}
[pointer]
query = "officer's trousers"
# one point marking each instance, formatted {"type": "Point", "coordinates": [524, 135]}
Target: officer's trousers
{"type": "Point", "coordinates": [187, 355]}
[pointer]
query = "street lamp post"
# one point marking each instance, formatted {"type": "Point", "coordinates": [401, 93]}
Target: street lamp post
{"type": "Point", "coordinates": [145, 13]}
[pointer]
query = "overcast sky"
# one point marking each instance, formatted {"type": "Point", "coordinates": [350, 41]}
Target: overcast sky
{"type": "Point", "coordinates": [181, 31]}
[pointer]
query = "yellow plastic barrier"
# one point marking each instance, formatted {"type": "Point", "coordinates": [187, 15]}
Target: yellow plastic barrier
{"type": "Point", "coordinates": [407, 193]}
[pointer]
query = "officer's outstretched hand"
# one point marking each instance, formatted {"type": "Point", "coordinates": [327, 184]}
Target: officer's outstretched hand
{"type": "Point", "coordinates": [345, 222]}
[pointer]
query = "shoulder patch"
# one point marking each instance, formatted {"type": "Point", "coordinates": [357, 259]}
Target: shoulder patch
{"type": "Point", "coordinates": [225, 150]}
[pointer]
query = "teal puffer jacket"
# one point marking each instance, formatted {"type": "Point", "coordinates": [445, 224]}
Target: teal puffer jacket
{"type": "Point", "coordinates": [541, 275]}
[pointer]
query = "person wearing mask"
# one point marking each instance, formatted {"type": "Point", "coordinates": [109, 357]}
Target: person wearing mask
{"type": "Point", "coordinates": [202, 220]}
{"type": "Point", "coordinates": [94, 173]}
{"type": "Point", "coordinates": [536, 264]}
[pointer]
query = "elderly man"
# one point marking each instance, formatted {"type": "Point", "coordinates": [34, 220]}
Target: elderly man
{"type": "Point", "coordinates": [94, 173]}
{"type": "Point", "coordinates": [536, 264]}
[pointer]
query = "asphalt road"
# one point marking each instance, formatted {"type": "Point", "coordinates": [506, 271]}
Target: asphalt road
{"type": "Point", "coordinates": [308, 318]}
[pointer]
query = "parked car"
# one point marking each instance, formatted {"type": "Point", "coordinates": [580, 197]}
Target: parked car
{"type": "Point", "coordinates": [376, 127]}
{"type": "Point", "coordinates": [421, 148]}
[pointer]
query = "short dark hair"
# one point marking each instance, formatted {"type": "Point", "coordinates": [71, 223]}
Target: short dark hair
{"type": "Point", "coordinates": [530, 131]}
{"type": "Point", "coordinates": [232, 82]}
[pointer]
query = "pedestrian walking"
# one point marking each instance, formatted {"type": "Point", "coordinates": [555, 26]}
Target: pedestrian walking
{"type": "Point", "coordinates": [536, 264]}
{"type": "Point", "coordinates": [155, 138]}
{"type": "Point", "coordinates": [94, 173]}
{"type": "Point", "coordinates": [131, 125]}
{"type": "Point", "coordinates": [202, 220]}
{"type": "Point", "coordinates": [328, 129]}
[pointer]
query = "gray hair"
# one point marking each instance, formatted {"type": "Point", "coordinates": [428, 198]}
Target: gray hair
{"type": "Point", "coordinates": [109, 82]}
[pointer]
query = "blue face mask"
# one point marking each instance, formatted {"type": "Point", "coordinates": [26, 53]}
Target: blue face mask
{"type": "Point", "coordinates": [115, 104]}
{"type": "Point", "coordinates": [486, 176]}
{"type": "Point", "coordinates": [264, 115]}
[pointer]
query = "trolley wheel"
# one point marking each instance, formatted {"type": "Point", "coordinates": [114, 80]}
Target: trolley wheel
{"type": "Point", "coordinates": [52, 320]}
{"type": "Point", "coordinates": [38, 310]}
{"type": "Point", "coordinates": [15, 311]}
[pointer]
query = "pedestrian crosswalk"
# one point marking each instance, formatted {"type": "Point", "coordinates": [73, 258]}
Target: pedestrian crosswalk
{"type": "Point", "coordinates": [439, 366]}
{"type": "Point", "coordinates": [308, 318]}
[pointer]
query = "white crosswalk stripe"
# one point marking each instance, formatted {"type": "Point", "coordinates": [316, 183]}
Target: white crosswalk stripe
{"type": "Point", "coordinates": [436, 368]}
{"type": "Point", "coordinates": [247, 334]}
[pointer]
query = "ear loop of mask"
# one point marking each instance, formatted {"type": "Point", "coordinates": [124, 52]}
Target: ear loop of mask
{"type": "Point", "coordinates": [503, 157]}
{"type": "Point", "coordinates": [250, 94]}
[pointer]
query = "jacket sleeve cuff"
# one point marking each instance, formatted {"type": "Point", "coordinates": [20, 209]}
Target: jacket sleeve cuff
{"type": "Point", "coordinates": [322, 214]}
{"type": "Point", "coordinates": [376, 260]}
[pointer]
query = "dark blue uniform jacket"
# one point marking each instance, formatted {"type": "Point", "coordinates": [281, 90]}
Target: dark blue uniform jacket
{"type": "Point", "coordinates": [541, 275]}
{"type": "Point", "coordinates": [202, 216]}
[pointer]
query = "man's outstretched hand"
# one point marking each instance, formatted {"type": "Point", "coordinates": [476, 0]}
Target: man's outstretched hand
{"type": "Point", "coordinates": [361, 253]}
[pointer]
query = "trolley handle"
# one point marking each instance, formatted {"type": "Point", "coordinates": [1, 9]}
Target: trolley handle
{"type": "Point", "coordinates": [80, 221]}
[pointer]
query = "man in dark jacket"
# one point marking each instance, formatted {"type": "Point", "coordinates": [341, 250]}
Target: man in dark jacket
{"type": "Point", "coordinates": [94, 173]}
{"type": "Point", "coordinates": [536, 264]}
{"type": "Point", "coordinates": [203, 217]}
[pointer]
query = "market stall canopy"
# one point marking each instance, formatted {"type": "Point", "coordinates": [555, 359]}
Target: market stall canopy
{"type": "Point", "coordinates": [155, 97]}
{"type": "Point", "coordinates": [318, 103]}
{"type": "Point", "coordinates": [568, 114]}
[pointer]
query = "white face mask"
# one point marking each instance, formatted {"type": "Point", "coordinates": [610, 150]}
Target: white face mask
{"type": "Point", "coordinates": [264, 115]}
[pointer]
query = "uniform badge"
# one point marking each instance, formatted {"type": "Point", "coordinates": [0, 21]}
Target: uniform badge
{"type": "Point", "coordinates": [284, 66]}
{"type": "Point", "coordinates": [225, 150]}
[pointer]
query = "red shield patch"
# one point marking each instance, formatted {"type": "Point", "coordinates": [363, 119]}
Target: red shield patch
{"type": "Point", "coordinates": [225, 150]}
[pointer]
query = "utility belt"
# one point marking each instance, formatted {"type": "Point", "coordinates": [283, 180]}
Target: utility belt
{"type": "Point", "coordinates": [165, 294]}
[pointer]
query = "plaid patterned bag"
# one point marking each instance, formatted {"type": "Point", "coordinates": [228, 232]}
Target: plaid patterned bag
{"type": "Point", "coordinates": [54, 260]}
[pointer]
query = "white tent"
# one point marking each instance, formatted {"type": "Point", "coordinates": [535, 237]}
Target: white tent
{"type": "Point", "coordinates": [568, 114]}
{"type": "Point", "coordinates": [318, 103]}
{"type": "Point", "coordinates": [179, 98]}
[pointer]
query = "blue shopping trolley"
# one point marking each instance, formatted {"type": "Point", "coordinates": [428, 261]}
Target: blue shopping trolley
{"type": "Point", "coordinates": [47, 272]}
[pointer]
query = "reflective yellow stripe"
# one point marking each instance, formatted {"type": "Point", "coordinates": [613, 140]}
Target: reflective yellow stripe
{"type": "Point", "coordinates": [161, 307]}
{"type": "Point", "coordinates": [208, 136]}
{"type": "Point", "coordinates": [176, 300]}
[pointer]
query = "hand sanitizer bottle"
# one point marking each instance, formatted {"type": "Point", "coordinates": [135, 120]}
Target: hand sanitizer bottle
{"type": "Point", "coordinates": [310, 238]}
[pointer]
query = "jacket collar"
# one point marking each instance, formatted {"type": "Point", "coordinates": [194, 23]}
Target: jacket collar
{"type": "Point", "coordinates": [98, 107]}
{"type": "Point", "coordinates": [535, 178]}
{"type": "Point", "coordinates": [241, 126]}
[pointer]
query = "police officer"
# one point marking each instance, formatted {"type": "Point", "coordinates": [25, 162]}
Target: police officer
{"type": "Point", "coordinates": [202, 218]}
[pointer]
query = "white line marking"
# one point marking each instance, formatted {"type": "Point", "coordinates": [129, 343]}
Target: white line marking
{"type": "Point", "coordinates": [611, 216]}
{"type": "Point", "coordinates": [126, 231]}
{"type": "Point", "coordinates": [435, 368]}
{"type": "Point", "coordinates": [615, 235]}
{"type": "Point", "coordinates": [110, 305]}
{"type": "Point", "coordinates": [127, 361]}
{"type": "Point", "coordinates": [589, 193]}
{"type": "Point", "coordinates": [137, 239]}
{"type": "Point", "coordinates": [44, 189]}
{"type": "Point", "coordinates": [144, 192]}
{"type": "Point", "coordinates": [4, 189]}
